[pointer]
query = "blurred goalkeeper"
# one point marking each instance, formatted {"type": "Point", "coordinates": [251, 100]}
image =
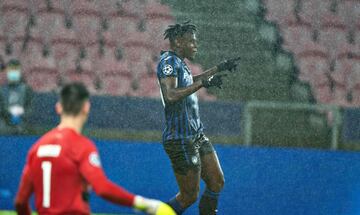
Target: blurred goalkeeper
{"type": "Point", "coordinates": [63, 164]}
{"type": "Point", "coordinates": [191, 153]}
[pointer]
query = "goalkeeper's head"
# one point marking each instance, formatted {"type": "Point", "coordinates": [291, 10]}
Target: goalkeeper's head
{"type": "Point", "coordinates": [74, 103]}
{"type": "Point", "coordinates": [182, 38]}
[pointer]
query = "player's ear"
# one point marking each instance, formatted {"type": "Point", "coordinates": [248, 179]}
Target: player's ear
{"type": "Point", "coordinates": [58, 108]}
{"type": "Point", "coordinates": [177, 42]}
{"type": "Point", "coordinates": [86, 107]}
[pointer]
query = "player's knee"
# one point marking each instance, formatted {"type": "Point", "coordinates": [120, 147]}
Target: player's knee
{"type": "Point", "coordinates": [190, 197]}
{"type": "Point", "coordinates": [217, 184]}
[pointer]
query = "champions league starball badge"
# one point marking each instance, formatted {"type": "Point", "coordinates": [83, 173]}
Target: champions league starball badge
{"type": "Point", "coordinates": [167, 70]}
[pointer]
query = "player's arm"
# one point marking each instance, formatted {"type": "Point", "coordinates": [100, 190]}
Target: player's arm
{"type": "Point", "coordinates": [172, 93]}
{"type": "Point", "coordinates": [90, 168]}
{"type": "Point", "coordinates": [22, 205]}
{"type": "Point", "coordinates": [207, 74]}
{"type": "Point", "coordinates": [223, 66]}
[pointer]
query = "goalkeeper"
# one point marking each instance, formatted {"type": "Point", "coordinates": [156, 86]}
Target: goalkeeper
{"type": "Point", "coordinates": [63, 164]}
{"type": "Point", "coordinates": [191, 153]}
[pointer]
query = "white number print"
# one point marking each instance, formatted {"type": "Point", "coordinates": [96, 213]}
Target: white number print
{"type": "Point", "coordinates": [46, 168]}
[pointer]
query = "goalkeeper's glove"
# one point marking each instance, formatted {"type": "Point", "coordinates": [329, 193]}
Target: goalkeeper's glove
{"type": "Point", "coordinates": [152, 206]}
{"type": "Point", "coordinates": [229, 65]}
{"type": "Point", "coordinates": [213, 81]}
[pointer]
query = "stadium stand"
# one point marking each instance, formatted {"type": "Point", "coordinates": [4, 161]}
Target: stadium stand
{"type": "Point", "coordinates": [112, 46]}
{"type": "Point", "coordinates": [325, 43]}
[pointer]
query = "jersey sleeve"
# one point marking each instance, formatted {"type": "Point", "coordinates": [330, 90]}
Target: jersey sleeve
{"type": "Point", "coordinates": [91, 170]}
{"type": "Point", "coordinates": [168, 67]}
{"type": "Point", "coordinates": [25, 190]}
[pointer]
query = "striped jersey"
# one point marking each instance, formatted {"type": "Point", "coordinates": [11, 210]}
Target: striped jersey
{"type": "Point", "coordinates": [182, 120]}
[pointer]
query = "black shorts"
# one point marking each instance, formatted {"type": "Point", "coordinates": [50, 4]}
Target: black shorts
{"type": "Point", "coordinates": [185, 154]}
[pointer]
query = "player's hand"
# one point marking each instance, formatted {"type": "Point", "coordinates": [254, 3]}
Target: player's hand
{"type": "Point", "coordinates": [229, 65]}
{"type": "Point", "coordinates": [213, 81]}
{"type": "Point", "coordinates": [152, 206]}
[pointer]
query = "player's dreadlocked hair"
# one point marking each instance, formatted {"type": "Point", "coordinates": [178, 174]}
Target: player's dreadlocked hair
{"type": "Point", "coordinates": [178, 30]}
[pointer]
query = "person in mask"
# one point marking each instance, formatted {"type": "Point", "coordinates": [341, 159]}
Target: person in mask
{"type": "Point", "coordinates": [16, 98]}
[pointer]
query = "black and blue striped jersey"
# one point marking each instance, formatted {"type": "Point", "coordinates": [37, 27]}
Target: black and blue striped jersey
{"type": "Point", "coordinates": [182, 120]}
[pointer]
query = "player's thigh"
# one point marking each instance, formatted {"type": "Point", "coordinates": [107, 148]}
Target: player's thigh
{"type": "Point", "coordinates": [211, 171]}
{"type": "Point", "coordinates": [186, 163]}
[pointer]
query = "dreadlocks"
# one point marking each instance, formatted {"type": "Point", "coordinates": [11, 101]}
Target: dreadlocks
{"type": "Point", "coordinates": [178, 30]}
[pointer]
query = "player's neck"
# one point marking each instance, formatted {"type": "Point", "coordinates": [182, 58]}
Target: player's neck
{"type": "Point", "coordinates": [178, 53]}
{"type": "Point", "coordinates": [75, 123]}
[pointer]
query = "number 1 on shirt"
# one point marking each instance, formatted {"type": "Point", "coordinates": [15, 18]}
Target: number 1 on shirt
{"type": "Point", "coordinates": [46, 168]}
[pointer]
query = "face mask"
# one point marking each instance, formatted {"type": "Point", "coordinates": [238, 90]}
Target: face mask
{"type": "Point", "coordinates": [13, 75]}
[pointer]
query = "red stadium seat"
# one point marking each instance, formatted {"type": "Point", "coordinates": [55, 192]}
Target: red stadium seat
{"type": "Point", "coordinates": [279, 11]}
{"type": "Point", "coordinates": [14, 5]}
{"type": "Point", "coordinates": [47, 25]}
{"type": "Point", "coordinates": [116, 84]}
{"type": "Point", "coordinates": [87, 27]}
{"type": "Point", "coordinates": [137, 47]}
{"type": "Point", "coordinates": [312, 10]}
{"type": "Point", "coordinates": [42, 75]}
{"type": "Point", "coordinates": [108, 64]}
{"type": "Point", "coordinates": [296, 35]}
{"type": "Point", "coordinates": [204, 95]}
{"type": "Point", "coordinates": [64, 42]}
{"type": "Point", "coordinates": [84, 7]}
{"type": "Point", "coordinates": [121, 26]}
{"type": "Point", "coordinates": [156, 10]}
{"type": "Point", "coordinates": [156, 27]}
{"type": "Point", "coordinates": [346, 12]}
{"type": "Point", "coordinates": [147, 87]}
{"type": "Point", "coordinates": [312, 60]}
{"type": "Point", "coordinates": [321, 88]}
{"type": "Point", "coordinates": [333, 32]}
{"type": "Point", "coordinates": [85, 75]}
{"type": "Point", "coordinates": [14, 23]}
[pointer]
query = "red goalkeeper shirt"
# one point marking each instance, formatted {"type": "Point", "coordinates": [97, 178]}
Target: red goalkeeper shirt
{"type": "Point", "coordinates": [60, 168]}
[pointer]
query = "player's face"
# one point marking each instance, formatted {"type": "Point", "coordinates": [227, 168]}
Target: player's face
{"type": "Point", "coordinates": [189, 45]}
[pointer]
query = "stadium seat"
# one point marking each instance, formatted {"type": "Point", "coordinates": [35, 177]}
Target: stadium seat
{"type": "Point", "coordinates": [346, 12]}
{"type": "Point", "coordinates": [204, 95]}
{"type": "Point", "coordinates": [312, 10]}
{"type": "Point", "coordinates": [14, 23]}
{"type": "Point", "coordinates": [155, 27]}
{"type": "Point", "coordinates": [14, 5]}
{"type": "Point", "coordinates": [64, 41]}
{"type": "Point", "coordinates": [87, 28]}
{"type": "Point", "coordinates": [312, 60]}
{"type": "Point", "coordinates": [120, 26]}
{"type": "Point", "coordinates": [147, 87]}
{"type": "Point", "coordinates": [321, 88]}
{"type": "Point", "coordinates": [332, 32]}
{"type": "Point", "coordinates": [116, 84]}
{"type": "Point", "coordinates": [47, 25]}
{"type": "Point", "coordinates": [295, 35]}
{"type": "Point", "coordinates": [108, 64]}
{"type": "Point", "coordinates": [79, 7]}
{"type": "Point", "coordinates": [85, 75]}
{"type": "Point", "coordinates": [279, 11]}
{"type": "Point", "coordinates": [42, 75]}
{"type": "Point", "coordinates": [156, 10]}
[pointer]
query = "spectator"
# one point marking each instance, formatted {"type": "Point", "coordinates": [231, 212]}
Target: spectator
{"type": "Point", "coordinates": [2, 64]}
{"type": "Point", "coordinates": [15, 100]}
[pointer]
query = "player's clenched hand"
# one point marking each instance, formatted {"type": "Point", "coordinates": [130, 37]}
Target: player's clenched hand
{"type": "Point", "coordinates": [152, 206]}
{"type": "Point", "coordinates": [213, 81]}
{"type": "Point", "coordinates": [229, 65]}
